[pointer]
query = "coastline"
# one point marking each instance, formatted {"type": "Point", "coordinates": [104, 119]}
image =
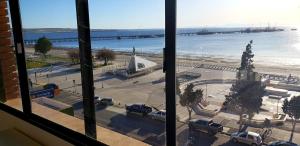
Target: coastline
{"type": "Point", "coordinates": [121, 56]}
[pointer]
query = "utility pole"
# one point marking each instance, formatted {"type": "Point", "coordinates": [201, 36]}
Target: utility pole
{"type": "Point", "coordinates": [47, 78]}
{"type": "Point", "coordinates": [206, 89]}
{"type": "Point", "coordinates": [74, 86]}
{"type": "Point", "coordinates": [66, 75]}
{"type": "Point", "coordinates": [35, 77]}
{"type": "Point", "coordinates": [278, 103]}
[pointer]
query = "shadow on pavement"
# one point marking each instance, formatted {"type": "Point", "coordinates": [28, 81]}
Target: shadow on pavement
{"type": "Point", "coordinates": [141, 126]}
{"type": "Point", "coordinates": [109, 77]}
{"type": "Point", "coordinates": [156, 140]}
{"type": "Point", "coordinates": [230, 143]}
{"type": "Point", "coordinates": [78, 105]}
{"type": "Point", "coordinates": [100, 107]}
{"type": "Point", "coordinates": [199, 139]}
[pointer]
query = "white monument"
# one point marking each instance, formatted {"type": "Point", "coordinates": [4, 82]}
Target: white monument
{"type": "Point", "coordinates": [137, 63]}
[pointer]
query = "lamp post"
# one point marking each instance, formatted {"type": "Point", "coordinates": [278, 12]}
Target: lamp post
{"type": "Point", "coordinates": [35, 77]}
{"type": "Point", "coordinates": [279, 99]}
{"type": "Point", "coordinates": [47, 78]}
{"type": "Point", "coordinates": [74, 86]}
{"type": "Point", "coordinates": [66, 75]}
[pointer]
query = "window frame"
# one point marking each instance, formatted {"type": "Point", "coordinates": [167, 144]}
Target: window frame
{"type": "Point", "coordinates": [82, 12]}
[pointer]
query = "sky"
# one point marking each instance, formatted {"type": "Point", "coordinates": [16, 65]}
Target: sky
{"type": "Point", "coordinates": [141, 14]}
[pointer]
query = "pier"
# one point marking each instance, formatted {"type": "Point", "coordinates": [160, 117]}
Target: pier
{"type": "Point", "coordinates": [203, 32]}
{"type": "Point", "coordinates": [75, 39]}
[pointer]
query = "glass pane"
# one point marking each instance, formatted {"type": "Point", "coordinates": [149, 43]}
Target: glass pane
{"type": "Point", "coordinates": [238, 65]}
{"type": "Point", "coordinates": [53, 69]}
{"type": "Point", "coordinates": [127, 42]}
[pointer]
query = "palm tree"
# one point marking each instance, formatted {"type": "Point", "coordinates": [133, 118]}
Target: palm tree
{"type": "Point", "coordinates": [190, 97]}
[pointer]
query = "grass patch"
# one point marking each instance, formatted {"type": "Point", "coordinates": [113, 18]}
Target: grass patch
{"type": "Point", "coordinates": [57, 58]}
{"type": "Point", "coordinates": [36, 64]}
{"type": "Point", "coordinates": [45, 61]}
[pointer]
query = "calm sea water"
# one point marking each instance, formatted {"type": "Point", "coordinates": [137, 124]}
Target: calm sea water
{"type": "Point", "coordinates": [274, 48]}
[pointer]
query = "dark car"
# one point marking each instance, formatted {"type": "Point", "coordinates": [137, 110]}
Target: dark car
{"type": "Point", "coordinates": [97, 99]}
{"type": "Point", "coordinates": [138, 108]}
{"type": "Point", "coordinates": [205, 125]}
{"type": "Point", "coordinates": [282, 143]}
{"type": "Point", "coordinates": [50, 86]}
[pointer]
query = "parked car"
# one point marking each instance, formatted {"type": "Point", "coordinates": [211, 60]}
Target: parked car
{"type": "Point", "coordinates": [158, 115]}
{"type": "Point", "coordinates": [97, 99]}
{"type": "Point", "coordinates": [106, 101]}
{"type": "Point", "coordinates": [138, 108]}
{"type": "Point", "coordinates": [50, 86]}
{"type": "Point", "coordinates": [282, 143]}
{"type": "Point", "coordinates": [250, 138]}
{"type": "Point", "coordinates": [205, 125]}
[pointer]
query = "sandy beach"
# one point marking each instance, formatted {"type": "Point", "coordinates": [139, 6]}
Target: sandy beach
{"type": "Point", "coordinates": [121, 57]}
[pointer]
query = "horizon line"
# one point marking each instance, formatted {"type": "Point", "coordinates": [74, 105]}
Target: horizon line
{"type": "Point", "coordinates": [164, 28]}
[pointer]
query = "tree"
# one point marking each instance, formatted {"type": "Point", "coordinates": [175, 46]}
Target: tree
{"type": "Point", "coordinates": [190, 97]}
{"type": "Point", "coordinates": [292, 108]}
{"type": "Point", "coordinates": [106, 55]}
{"type": "Point", "coordinates": [43, 45]}
{"type": "Point", "coordinates": [245, 98]}
{"type": "Point", "coordinates": [246, 60]}
{"type": "Point", "coordinates": [245, 94]}
{"type": "Point", "coordinates": [74, 56]}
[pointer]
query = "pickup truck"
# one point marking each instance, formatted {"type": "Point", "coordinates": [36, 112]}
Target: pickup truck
{"type": "Point", "coordinates": [138, 108]}
{"type": "Point", "coordinates": [205, 125]}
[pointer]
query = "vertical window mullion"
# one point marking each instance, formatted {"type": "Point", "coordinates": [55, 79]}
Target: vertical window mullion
{"type": "Point", "coordinates": [20, 54]}
{"type": "Point", "coordinates": [84, 39]}
{"type": "Point", "coordinates": [170, 68]}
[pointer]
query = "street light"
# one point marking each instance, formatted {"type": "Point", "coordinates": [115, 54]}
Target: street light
{"type": "Point", "coordinates": [206, 89]}
{"type": "Point", "coordinates": [74, 86]}
{"type": "Point", "coordinates": [66, 75]}
{"type": "Point", "coordinates": [35, 77]}
{"type": "Point", "coordinates": [279, 99]}
{"type": "Point", "coordinates": [47, 78]}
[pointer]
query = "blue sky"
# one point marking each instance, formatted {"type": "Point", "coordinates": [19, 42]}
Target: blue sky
{"type": "Point", "coordinates": [138, 14]}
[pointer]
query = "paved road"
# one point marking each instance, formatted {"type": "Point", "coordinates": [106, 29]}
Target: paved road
{"type": "Point", "coordinates": [202, 139]}
{"type": "Point", "coordinates": [141, 128]}
{"type": "Point", "coordinates": [150, 131]}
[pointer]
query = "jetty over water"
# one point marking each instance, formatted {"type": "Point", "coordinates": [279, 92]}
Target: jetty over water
{"type": "Point", "coordinates": [202, 32]}
{"type": "Point", "coordinates": [95, 38]}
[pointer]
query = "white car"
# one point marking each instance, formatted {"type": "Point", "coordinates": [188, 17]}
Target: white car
{"type": "Point", "coordinates": [250, 138]}
{"type": "Point", "coordinates": [107, 101]}
{"type": "Point", "coordinates": [158, 115]}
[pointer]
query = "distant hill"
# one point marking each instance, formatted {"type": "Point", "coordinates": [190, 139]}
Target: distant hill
{"type": "Point", "coordinates": [45, 30]}
{"type": "Point", "coordinates": [37, 30]}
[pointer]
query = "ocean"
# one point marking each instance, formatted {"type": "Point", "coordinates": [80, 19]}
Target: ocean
{"type": "Point", "coordinates": [272, 48]}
